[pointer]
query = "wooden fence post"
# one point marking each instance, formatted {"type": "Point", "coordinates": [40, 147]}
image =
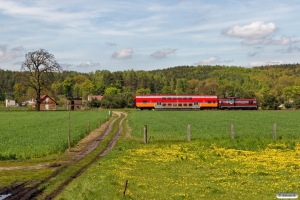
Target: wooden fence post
{"type": "Point", "coordinates": [274, 131]}
{"type": "Point", "coordinates": [145, 134]}
{"type": "Point", "coordinates": [125, 186]}
{"type": "Point", "coordinates": [189, 132]}
{"type": "Point", "coordinates": [69, 134]}
{"type": "Point", "coordinates": [232, 131]}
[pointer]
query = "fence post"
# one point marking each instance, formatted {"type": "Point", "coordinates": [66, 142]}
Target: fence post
{"type": "Point", "coordinates": [274, 131]}
{"type": "Point", "coordinates": [125, 186]}
{"type": "Point", "coordinates": [232, 131]}
{"type": "Point", "coordinates": [69, 133]}
{"type": "Point", "coordinates": [189, 132]}
{"type": "Point", "coordinates": [145, 134]}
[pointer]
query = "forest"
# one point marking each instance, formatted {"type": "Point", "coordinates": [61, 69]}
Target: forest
{"type": "Point", "coordinates": [271, 85]}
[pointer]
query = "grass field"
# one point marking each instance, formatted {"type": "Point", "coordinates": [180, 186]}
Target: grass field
{"type": "Point", "coordinates": [216, 124]}
{"type": "Point", "coordinates": [211, 166]}
{"type": "Point", "coordinates": [27, 135]}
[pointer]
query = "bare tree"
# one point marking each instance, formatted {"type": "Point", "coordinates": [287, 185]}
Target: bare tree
{"type": "Point", "coordinates": [38, 72]}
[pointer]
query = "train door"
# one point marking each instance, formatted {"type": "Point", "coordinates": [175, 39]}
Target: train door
{"type": "Point", "coordinates": [196, 105]}
{"type": "Point", "coordinates": [158, 105]}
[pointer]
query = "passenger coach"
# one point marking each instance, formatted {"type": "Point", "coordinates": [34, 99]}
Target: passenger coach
{"type": "Point", "coordinates": [193, 102]}
{"type": "Point", "coordinates": [176, 101]}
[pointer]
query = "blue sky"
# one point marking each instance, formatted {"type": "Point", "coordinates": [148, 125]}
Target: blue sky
{"type": "Point", "coordinates": [92, 35]}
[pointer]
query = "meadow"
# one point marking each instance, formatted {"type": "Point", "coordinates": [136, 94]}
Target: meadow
{"type": "Point", "coordinates": [211, 166]}
{"type": "Point", "coordinates": [26, 135]}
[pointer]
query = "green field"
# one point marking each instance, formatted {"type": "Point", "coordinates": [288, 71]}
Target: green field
{"type": "Point", "coordinates": [172, 125]}
{"type": "Point", "coordinates": [27, 135]}
{"type": "Point", "coordinates": [211, 166]}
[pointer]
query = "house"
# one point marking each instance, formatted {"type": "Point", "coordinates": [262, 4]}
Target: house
{"type": "Point", "coordinates": [48, 103]}
{"type": "Point", "coordinates": [74, 104]}
{"type": "Point", "coordinates": [9, 103]}
{"type": "Point", "coordinates": [98, 97]}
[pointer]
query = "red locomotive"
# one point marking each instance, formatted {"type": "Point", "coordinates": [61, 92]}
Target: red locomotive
{"type": "Point", "coordinates": [193, 102]}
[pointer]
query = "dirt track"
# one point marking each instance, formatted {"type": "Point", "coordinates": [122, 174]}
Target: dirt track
{"type": "Point", "coordinates": [29, 190]}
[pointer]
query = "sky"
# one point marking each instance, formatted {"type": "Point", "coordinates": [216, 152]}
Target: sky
{"type": "Point", "coordinates": [115, 35]}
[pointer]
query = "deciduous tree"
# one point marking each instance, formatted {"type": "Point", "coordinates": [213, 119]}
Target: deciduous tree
{"type": "Point", "coordinates": [38, 69]}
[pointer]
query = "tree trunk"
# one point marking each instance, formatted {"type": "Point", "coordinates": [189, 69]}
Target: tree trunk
{"type": "Point", "coordinates": [38, 100]}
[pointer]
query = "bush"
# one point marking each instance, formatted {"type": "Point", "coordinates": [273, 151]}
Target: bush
{"type": "Point", "coordinates": [269, 102]}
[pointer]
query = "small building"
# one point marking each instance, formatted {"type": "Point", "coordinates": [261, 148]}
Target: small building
{"type": "Point", "coordinates": [48, 103]}
{"type": "Point", "coordinates": [98, 97]}
{"type": "Point", "coordinates": [10, 103]}
{"type": "Point", "coordinates": [74, 104]}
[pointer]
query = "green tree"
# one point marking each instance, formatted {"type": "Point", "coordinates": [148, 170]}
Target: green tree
{"type": "Point", "coordinates": [67, 87]}
{"type": "Point", "coordinates": [112, 91]}
{"type": "Point", "coordinates": [269, 102]}
{"type": "Point", "coordinates": [181, 86]}
{"type": "Point", "coordinates": [143, 91]}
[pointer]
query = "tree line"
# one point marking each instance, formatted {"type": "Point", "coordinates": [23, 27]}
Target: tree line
{"type": "Point", "coordinates": [271, 85]}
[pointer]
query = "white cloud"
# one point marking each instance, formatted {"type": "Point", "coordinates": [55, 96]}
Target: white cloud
{"type": "Point", "coordinates": [89, 64]}
{"type": "Point", "coordinates": [255, 30]}
{"type": "Point", "coordinates": [123, 54]}
{"type": "Point", "coordinates": [19, 48]}
{"type": "Point", "coordinates": [163, 53]}
{"type": "Point", "coordinates": [3, 48]}
{"type": "Point", "coordinates": [209, 61]}
{"type": "Point", "coordinates": [290, 49]}
{"type": "Point", "coordinates": [4, 57]}
{"type": "Point", "coordinates": [269, 41]}
{"type": "Point", "coordinates": [110, 44]}
{"type": "Point", "coordinates": [264, 63]}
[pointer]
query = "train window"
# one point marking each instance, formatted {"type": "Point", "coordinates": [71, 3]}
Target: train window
{"type": "Point", "coordinates": [190, 104]}
{"type": "Point", "coordinates": [196, 103]}
{"type": "Point", "coordinates": [169, 104]}
{"type": "Point", "coordinates": [179, 98]}
{"type": "Point", "coordinates": [144, 101]}
{"type": "Point", "coordinates": [209, 102]}
{"type": "Point", "coordinates": [158, 103]}
{"type": "Point", "coordinates": [164, 104]}
{"type": "Point", "coordinates": [190, 98]}
{"type": "Point", "coordinates": [180, 104]}
{"type": "Point", "coordinates": [184, 98]}
{"type": "Point", "coordinates": [169, 98]}
{"type": "Point", "coordinates": [164, 98]}
{"type": "Point", "coordinates": [174, 104]}
{"type": "Point", "coordinates": [185, 104]}
{"type": "Point", "coordinates": [174, 98]}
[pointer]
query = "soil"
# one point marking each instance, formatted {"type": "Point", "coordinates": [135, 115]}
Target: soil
{"type": "Point", "coordinates": [29, 190]}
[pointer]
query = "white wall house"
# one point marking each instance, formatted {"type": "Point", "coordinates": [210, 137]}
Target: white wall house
{"type": "Point", "coordinates": [9, 103]}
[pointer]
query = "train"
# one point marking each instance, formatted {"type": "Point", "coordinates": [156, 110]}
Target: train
{"type": "Point", "coordinates": [193, 102]}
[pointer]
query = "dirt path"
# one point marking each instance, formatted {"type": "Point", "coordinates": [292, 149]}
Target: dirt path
{"type": "Point", "coordinates": [29, 190]}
